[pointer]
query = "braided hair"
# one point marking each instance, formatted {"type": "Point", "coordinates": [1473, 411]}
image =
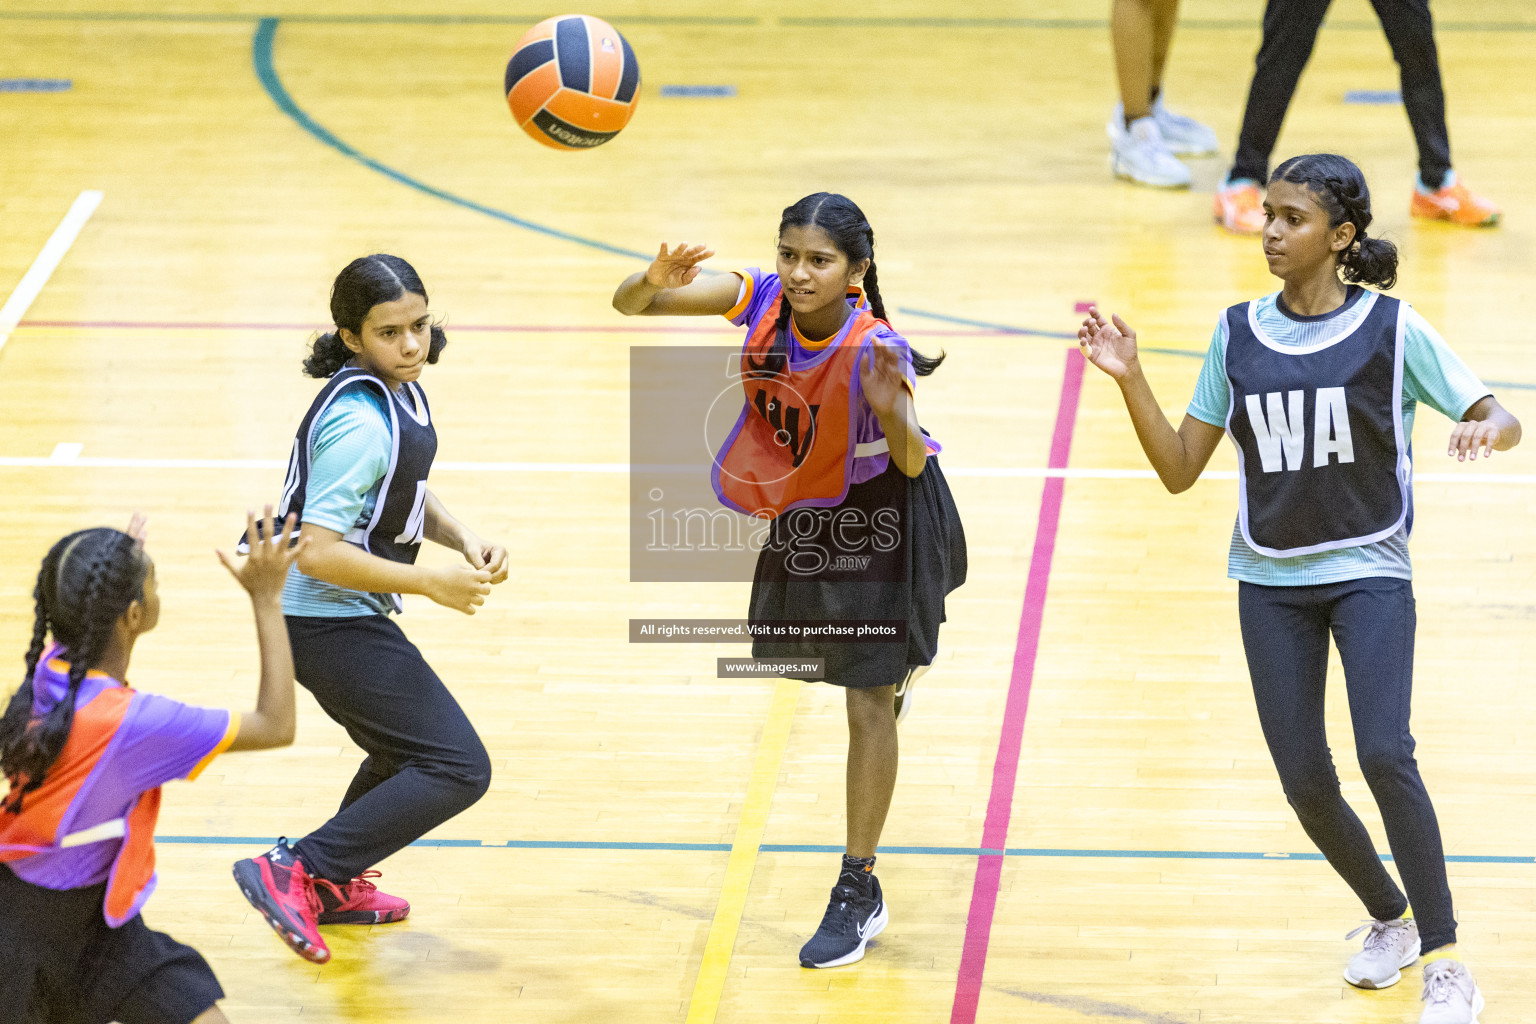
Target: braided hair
{"type": "Point", "coordinates": [1340, 190]}
{"type": "Point", "coordinates": [846, 225]}
{"type": "Point", "coordinates": [361, 285]}
{"type": "Point", "coordinates": [86, 583]}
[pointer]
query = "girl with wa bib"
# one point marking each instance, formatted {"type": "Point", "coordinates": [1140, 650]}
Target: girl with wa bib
{"type": "Point", "coordinates": [1317, 386]}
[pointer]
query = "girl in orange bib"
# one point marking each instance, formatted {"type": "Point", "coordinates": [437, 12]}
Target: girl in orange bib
{"type": "Point", "coordinates": [863, 528]}
{"type": "Point", "coordinates": [85, 756]}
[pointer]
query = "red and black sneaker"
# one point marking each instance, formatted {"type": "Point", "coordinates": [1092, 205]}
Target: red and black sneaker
{"type": "Point", "coordinates": [358, 902]}
{"type": "Point", "coordinates": [277, 885]}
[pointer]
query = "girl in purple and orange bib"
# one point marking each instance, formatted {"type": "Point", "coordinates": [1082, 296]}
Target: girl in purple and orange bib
{"type": "Point", "coordinates": [85, 756]}
{"type": "Point", "coordinates": [863, 528]}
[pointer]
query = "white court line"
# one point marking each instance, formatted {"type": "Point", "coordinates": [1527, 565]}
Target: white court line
{"type": "Point", "coordinates": [1471, 476]}
{"type": "Point", "coordinates": [66, 451]}
{"type": "Point", "coordinates": [47, 261]}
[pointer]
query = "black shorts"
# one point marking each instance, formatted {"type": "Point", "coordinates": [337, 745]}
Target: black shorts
{"type": "Point", "coordinates": [61, 964]}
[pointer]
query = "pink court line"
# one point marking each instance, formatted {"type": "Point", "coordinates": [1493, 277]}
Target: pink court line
{"type": "Point", "coordinates": [1005, 769]}
{"type": "Point", "coordinates": [184, 325]}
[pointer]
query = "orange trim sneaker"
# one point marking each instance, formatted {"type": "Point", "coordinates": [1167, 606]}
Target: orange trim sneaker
{"type": "Point", "coordinates": [358, 902]}
{"type": "Point", "coordinates": [1239, 207]}
{"type": "Point", "coordinates": [1456, 203]}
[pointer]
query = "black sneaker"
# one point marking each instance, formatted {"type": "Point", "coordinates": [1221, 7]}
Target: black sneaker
{"type": "Point", "coordinates": [903, 690]}
{"type": "Point", "coordinates": [851, 920]}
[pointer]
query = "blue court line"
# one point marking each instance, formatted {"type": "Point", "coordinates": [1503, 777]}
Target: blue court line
{"type": "Point", "coordinates": [261, 54]}
{"type": "Point", "coordinates": [698, 91]}
{"type": "Point", "coordinates": [938, 851]}
{"type": "Point", "coordinates": [1375, 97]}
{"type": "Point", "coordinates": [34, 84]}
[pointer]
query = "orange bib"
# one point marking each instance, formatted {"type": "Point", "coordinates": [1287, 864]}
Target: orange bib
{"type": "Point", "coordinates": [46, 810]}
{"type": "Point", "coordinates": [793, 445]}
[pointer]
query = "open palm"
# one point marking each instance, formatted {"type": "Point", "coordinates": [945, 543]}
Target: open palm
{"type": "Point", "coordinates": [880, 377]}
{"type": "Point", "coordinates": [1108, 344]}
{"type": "Point", "coordinates": [677, 267]}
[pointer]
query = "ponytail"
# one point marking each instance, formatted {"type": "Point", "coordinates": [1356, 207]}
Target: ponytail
{"type": "Point", "coordinates": [1370, 261]}
{"type": "Point", "coordinates": [327, 354]}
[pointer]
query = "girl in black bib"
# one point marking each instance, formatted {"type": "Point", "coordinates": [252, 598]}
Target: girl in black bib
{"type": "Point", "coordinates": [1317, 386]}
{"type": "Point", "coordinates": [357, 480]}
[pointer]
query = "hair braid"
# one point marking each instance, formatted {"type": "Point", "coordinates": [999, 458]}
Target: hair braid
{"type": "Point", "coordinates": [872, 290]}
{"type": "Point", "coordinates": [849, 230]}
{"type": "Point", "coordinates": [18, 713]}
{"type": "Point", "coordinates": [81, 609]}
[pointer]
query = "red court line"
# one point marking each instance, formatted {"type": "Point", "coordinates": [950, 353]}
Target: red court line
{"type": "Point", "coordinates": [1005, 769]}
{"type": "Point", "coordinates": [193, 325]}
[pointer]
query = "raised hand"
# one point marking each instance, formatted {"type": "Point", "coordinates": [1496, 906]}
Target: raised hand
{"type": "Point", "coordinates": [1108, 344]}
{"type": "Point", "coordinates": [880, 376]}
{"type": "Point", "coordinates": [265, 569]}
{"type": "Point", "coordinates": [138, 528]}
{"type": "Point", "coordinates": [677, 267]}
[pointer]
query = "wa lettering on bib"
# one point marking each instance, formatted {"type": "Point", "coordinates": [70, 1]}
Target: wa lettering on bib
{"type": "Point", "coordinates": [1323, 461]}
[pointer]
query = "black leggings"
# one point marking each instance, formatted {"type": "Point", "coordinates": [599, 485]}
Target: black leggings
{"type": "Point", "coordinates": [1285, 635]}
{"type": "Point", "coordinates": [425, 763]}
{"type": "Point", "coordinates": [1290, 29]}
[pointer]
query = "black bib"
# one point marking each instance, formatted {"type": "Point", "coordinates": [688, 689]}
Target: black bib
{"type": "Point", "coordinates": [1323, 462]}
{"type": "Point", "coordinates": [394, 530]}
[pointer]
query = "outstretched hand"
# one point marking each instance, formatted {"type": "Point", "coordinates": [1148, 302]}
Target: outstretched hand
{"type": "Point", "coordinates": [1108, 344]}
{"type": "Point", "coordinates": [677, 267]}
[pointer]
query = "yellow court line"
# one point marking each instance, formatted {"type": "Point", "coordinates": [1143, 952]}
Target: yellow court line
{"type": "Point", "coordinates": [738, 870]}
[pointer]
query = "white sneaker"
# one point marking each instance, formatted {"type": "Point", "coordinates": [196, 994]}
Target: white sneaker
{"type": "Point", "coordinates": [904, 690]}
{"type": "Point", "coordinates": [1139, 154]}
{"type": "Point", "coordinates": [1450, 995]}
{"type": "Point", "coordinates": [1184, 135]}
{"type": "Point", "coordinates": [1389, 947]}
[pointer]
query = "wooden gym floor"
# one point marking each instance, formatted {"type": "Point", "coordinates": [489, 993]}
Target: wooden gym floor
{"type": "Point", "coordinates": [658, 842]}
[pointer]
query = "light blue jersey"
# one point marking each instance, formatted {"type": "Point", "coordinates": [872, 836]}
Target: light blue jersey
{"type": "Point", "coordinates": [1432, 374]}
{"type": "Point", "coordinates": [348, 462]}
